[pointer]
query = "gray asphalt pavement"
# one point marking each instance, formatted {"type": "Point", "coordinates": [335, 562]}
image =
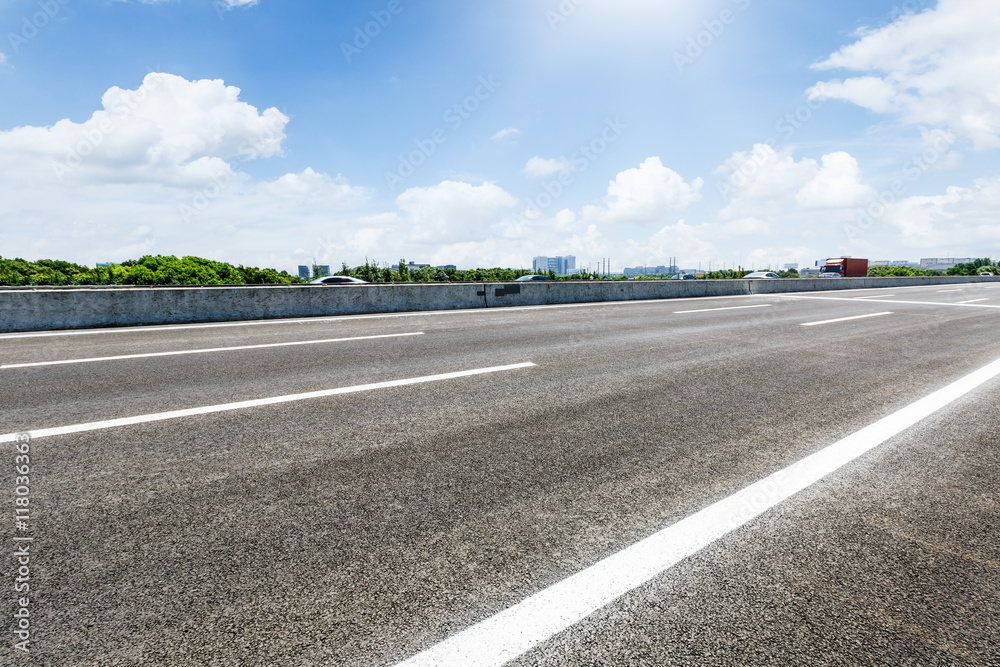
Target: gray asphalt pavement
{"type": "Point", "coordinates": [364, 528]}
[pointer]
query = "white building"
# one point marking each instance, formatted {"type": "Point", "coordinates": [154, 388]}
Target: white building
{"type": "Point", "coordinates": [562, 266]}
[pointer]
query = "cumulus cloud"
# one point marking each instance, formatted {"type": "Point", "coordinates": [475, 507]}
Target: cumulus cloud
{"type": "Point", "coordinates": [961, 218]}
{"type": "Point", "coordinates": [452, 210]}
{"type": "Point", "coordinates": [169, 131]}
{"type": "Point", "coordinates": [765, 183]}
{"type": "Point", "coordinates": [167, 155]}
{"type": "Point", "coordinates": [539, 167]}
{"type": "Point", "coordinates": [939, 68]}
{"type": "Point", "coordinates": [835, 184]}
{"type": "Point", "coordinates": [645, 194]}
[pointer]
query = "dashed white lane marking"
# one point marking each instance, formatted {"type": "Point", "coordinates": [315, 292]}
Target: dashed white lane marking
{"type": "Point", "coordinates": [243, 405]}
{"type": "Point", "coordinates": [912, 303]}
{"type": "Point", "coordinates": [973, 301]}
{"type": "Point", "coordinates": [845, 319]}
{"type": "Point", "coordinates": [875, 296]}
{"type": "Point", "coordinates": [712, 310]}
{"type": "Point", "coordinates": [206, 350]}
{"type": "Point", "coordinates": [516, 630]}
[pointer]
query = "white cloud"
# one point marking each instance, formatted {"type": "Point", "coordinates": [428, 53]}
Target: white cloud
{"type": "Point", "coordinates": [3, 59]}
{"type": "Point", "coordinates": [166, 155]}
{"type": "Point", "coordinates": [453, 210]}
{"type": "Point", "coordinates": [939, 68]}
{"type": "Point", "coordinates": [962, 220]}
{"type": "Point", "coordinates": [678, 240]}
{"type": "Point", "coordinates": [506, 132]}
{"type": "Point", "coordinates": [748, 227]}
{"type": "Point", "coordinates": [765, 184]}
{"type": "Point", "coordinates": [645, 194]}
{"type": "Point", "coordinates": [232, 4]}
{"type": "Point", "coordinates": [538, 167]}
{"type": "Point", "coordinates": [168, 131]}
{"type": "Point", "coordinates": [836, 184]}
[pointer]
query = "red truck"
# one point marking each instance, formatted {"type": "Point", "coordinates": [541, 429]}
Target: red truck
{"type": "Point", "coordinates": [844, 267]}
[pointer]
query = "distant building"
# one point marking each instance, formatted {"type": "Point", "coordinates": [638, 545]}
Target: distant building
{"type": "Point", "coordinates": [104, 265]}
{"type": "Point", "coordinates": [943, 263]}
{"type": "Point", "coordinates": [562, 266]}
{"type": "Point", "coordinates": [304, 272]}
{"type": "Point", "coordinates": [892, 262]}
{"type": "Point", "coordinates": [411, 266]}
{"type": "Point", "coordinates": [321, 270]}
{"type": "Point", "coordinates": [809, 271]}
{"type": "Point", "coordinates": [651, 271]}
{"type": "Point", "coordinates": [447, 266]}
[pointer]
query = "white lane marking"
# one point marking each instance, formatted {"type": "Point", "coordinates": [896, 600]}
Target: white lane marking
{"type": "Point", "coordinates": [875, 296]}
{"type": "Point", "coordinates": [953, 289]}
{"type": "Point", "coordinates": [913, 303]}
{"type": "Point", "coordinates": [712, 310]}
{"type": "Point", "coordinates": [205, 351]}
{"type": "Point", "coordinates": [518, 629]}
{"type": "Point", "coordinates": [973, 301]}
{"type": "Point", "coordinates": [379, 316]}
{"type": "Point", "coordinates": [845, 319]}
{"type": "Point", "coordinates": [256, 403]}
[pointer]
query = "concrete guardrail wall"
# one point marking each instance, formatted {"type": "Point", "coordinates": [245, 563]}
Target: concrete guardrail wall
{"type": "Point", "coordinates": [54, 308]}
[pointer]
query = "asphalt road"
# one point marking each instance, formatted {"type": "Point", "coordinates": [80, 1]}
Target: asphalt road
{"type": "Point", "coordinates": [366, 527]}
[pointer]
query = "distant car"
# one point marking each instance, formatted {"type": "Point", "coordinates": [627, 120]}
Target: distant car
{"type": "Point", "coordinates": [830, 274]}
{"type": "Point", "coordinates": [338, 280]}
{"type": "Point", "coordinates": [761, 274]}
{"type": "Point", "coordinates": [682, 276]}
{"type": "Point", "coordinates": [986, 273]}
{"type": "Point", "coordinates": [528, 279]}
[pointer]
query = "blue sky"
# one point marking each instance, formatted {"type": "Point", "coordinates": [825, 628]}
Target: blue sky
{"type": "Point", "coordinates": [728, 131]}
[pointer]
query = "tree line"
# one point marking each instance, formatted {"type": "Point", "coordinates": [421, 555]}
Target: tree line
{"type": "Point", "coordinates": [147, 270]}
{"type": "Point", "coordinates": [188, 270]}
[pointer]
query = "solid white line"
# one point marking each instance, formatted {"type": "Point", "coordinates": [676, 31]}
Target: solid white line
{"type": "Point", "coordinates": [875, 296]}
{"type": "Point", "coordinates": [243, 405]}
{"type": "Point", "coordinates": [712, 310]}
{"type": "Point", "coordinates": [844, 319]}
{"type": "Point", "coordinates": [518, 629]}
{"type": "Point", "coordinates": [204, 351]}
{"type": "Point", "coordinates": [973, 301]}
{"type": "Point", "coordinates": [953, 289]}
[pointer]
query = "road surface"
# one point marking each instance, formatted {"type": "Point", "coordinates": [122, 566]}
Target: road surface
{"type": "Point", "coordinates": [469, 487]}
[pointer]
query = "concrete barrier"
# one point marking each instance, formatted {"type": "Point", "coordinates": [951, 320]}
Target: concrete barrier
{"type": "Point", "coordinates": [42, 309]}
{"type": "Point", "coordinates": [544, 293]}
{"type": "Point", "coordinates": [54, 308]}
{"type": "Point", "coordinates": [823, 284]}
